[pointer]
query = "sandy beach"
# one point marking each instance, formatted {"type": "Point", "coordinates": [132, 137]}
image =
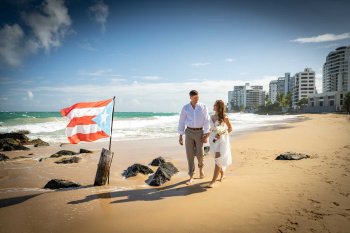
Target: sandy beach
{"type": "Point", "coordinates": [259, 193]}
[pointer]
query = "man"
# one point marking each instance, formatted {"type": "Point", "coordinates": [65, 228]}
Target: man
{"type": "Point", "coordinates": [195, 117]}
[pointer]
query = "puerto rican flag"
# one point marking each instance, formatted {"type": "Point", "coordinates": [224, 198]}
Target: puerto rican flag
{"type": "Point", "coordinates": [89, 121]}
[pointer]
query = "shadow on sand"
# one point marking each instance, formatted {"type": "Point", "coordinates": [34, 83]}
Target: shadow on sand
{"type": "Point", "coordinates": [149, 194]}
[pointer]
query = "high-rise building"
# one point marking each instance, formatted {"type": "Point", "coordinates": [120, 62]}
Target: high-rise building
{"type": "Point", "coordinates": [247, 97]}
{"type": "Point", "coordinates": [287, 85]}
{"type": "Point", "coordinates": [304, 85]}
{"type": "Point", "coordinates": [229, 100]}
{"type": "Point", "coordinates": [273, 91]}
{"type": "Point", "coordinates": [336, 73]}
{"type": "Point", "coordinates": [280, 86]}
{"type": "Point", "coordinates": [335, 83]}
{"type": "Point", "coordinates": [255, 97]}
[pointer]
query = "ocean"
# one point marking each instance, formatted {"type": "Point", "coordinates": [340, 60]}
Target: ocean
{"type": "Point", "coordinates": [50, 126]}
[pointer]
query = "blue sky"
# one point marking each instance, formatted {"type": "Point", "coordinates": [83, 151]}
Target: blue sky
{"type": "Point", "coordinates": [149, 54]}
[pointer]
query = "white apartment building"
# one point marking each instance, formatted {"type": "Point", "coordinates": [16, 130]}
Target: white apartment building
{"type": "Point", "coordinates": [335, 83]}
{"type": "Point", "coordinates": [304, 85]}
{"type": "Point", "coordinates": [248, 97]}
{"type": "Point", "coordinates": [336, 73]}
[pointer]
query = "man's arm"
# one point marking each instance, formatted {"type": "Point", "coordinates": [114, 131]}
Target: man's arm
{"type": "Point", "coordinates": [182, 121]}
{"type": "Point", "coordinates": [206, 126]}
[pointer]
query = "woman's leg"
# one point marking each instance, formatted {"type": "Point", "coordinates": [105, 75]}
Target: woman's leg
{"type": "Point", "coordinates": [221, 175]}
{"type": "Point", "coordinates": [216, 172]}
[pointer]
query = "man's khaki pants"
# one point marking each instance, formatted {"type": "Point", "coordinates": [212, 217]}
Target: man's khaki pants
{"type": "Point", "coordinates": [194, 147]}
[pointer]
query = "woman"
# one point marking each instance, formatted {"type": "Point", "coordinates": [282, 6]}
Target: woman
{"type": "Point", "coordinates": [220, 144]}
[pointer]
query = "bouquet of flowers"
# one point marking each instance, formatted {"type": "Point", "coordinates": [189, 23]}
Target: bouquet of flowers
{"type": "Point", "coordinates": [220, 130]}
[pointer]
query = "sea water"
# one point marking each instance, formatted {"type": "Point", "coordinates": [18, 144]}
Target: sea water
{"type": "Point", "coordinates": [50, 126]}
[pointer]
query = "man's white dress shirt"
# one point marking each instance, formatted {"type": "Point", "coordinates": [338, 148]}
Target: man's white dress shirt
{"type": "Point", "coordinates": [197, 117]}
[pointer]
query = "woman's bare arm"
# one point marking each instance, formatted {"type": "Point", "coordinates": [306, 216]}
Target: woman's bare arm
{"type": "Point", "coordinates": [227, 121]}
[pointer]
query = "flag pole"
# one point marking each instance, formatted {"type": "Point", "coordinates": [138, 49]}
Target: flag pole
{"type": "Point", "coordinates": [110, 138]}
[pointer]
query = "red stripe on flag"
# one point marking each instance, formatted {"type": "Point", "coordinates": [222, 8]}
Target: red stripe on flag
{"type": "Point", "coordinates": [65, 111]}
{"type": "Point", "coordinates": [85, 120]}
{"type": "Point", "coordinates": [76, 138]}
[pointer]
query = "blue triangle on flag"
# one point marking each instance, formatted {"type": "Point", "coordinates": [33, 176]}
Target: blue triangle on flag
{"type": "Point", "coordinates": [104, 119]}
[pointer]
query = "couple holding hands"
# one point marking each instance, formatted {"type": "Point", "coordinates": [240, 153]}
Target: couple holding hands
{"type": "Point", "coordinates": [199, 127]}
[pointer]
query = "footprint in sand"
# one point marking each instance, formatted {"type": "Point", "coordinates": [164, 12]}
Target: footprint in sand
{"type": "Point", "coordinates": [335, 203]}
{"type": "Point", "coordinates": [314, 201]}
{"type": "Point", "coordinates": [289, 226]}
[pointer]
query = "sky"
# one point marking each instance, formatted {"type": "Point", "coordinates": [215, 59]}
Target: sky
{"type": "Point", "coordinates": [150, 54]}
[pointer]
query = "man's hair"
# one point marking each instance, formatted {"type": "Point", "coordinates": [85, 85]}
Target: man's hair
{"type": "Point", "coordinates": [193, 93]}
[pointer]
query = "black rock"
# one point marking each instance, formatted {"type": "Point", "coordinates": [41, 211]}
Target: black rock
{"type": "Point", "coordinates": [73, 159]}
{"type": "Point", "coordinates": [23, 131]}
{"type": "Point", "coordinates": [136, 168]}
{"type": "Point", "coordinates": [81, 151]}
{"type": "Point", "coordinates": [163, 174]}
{"type": "Point", "coordinates": [59, 183]}
{"type": "Point", "coordinates": [158, 161]}
{"type": "Point", "coordinates": [9, 144]}
{"type": "Point", "coordinates": [38, 142]}
{"type": "Point", "coordinates": [20, 137]}
{"type": "Point", "coordinates": [292, 156]}
{"type": "Point", "coordinates": [63, 153]}
{"type": "Point", "coordinates": [3, 157]}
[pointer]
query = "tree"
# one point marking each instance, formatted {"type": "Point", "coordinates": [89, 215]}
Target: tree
{"type": "Point", "coordinates": [303, 102]}
{"type": "Point", "coordinates": [289, 99]}
{"type": "Point", "coordinates": [282, 100]}
{"type": "Point", "coordinates": [346, 105]}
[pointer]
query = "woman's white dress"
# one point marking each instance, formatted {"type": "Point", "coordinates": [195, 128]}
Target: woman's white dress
{"type": "Point", "coordinates": [221, 145]}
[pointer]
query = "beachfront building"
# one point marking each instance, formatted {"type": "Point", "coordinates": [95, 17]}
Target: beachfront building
{"type": "Point", "coordinates": [247, 97]}
{"type": "Point", "coordinates": [336, 75]}
{"type": "Point", "coordinates": [331, 101]}
{"type": "Point", "coordinates": [280, 86]}
{"type": "Point", "coordinates": [335, 82]}
{"type": "Point", "coordinates": [229, 101]}
{"type": "Point", "coordinates": [273, 91]}
{"type": "Point", "coordinates": [304, 85]}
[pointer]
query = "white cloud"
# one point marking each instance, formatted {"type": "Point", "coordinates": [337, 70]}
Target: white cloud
{"type": "Point", "coordinates": [14, 46]}
{"type": "Point", "coordinates": [99, 12]}
{"type": "Point", "coordinates": [230, 60]}
{"type": "Point", "coordinates": [86, 46]}
{"type": "Point", "coordinates": [30, 95]}
{"type": "Point", "coordinates": [10, 38]}
{"type": "Point", "coordinates": [199, 64]}
{"type": "Point", "coordinates": [323, 38]}
{"type": "Point", "coordinates": [148, 78]}
{"type": "Point", "coordinates": [144, 96]}
{"type": "Point", "coordinates": [99, 73]}
{"type": "Point", "coordinates": [50, 24]}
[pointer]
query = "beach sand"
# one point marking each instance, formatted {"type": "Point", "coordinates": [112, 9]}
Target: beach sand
{"type": "Point", "coordinates": [259, 193]}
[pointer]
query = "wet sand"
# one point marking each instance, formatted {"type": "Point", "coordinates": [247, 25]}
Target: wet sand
{"type": "Point", "coordinates": [259, 194]}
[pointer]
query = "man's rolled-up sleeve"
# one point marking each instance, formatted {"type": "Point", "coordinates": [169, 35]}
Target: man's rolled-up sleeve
{"type": "Point", "coordinates": [182, 121]}
{"type": "Point", "coordinates": [206, 126]}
